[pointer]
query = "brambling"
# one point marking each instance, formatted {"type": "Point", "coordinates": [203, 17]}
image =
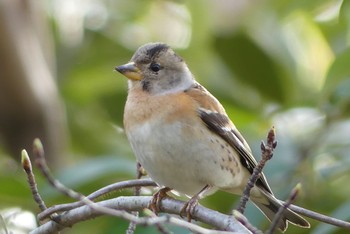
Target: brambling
{"type": "Point", "coordinates": [182, 136]}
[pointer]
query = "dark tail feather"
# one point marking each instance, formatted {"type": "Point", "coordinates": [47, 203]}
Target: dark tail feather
{"type": "Point", "coordinates": [271, 209]}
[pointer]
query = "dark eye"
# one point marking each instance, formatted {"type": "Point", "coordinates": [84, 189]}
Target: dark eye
{"type": "Point", "coordinates": [155, 67]}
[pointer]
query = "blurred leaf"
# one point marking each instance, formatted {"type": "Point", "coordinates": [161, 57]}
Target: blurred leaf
{"type": "Point", "coordinates": [344, 19]}
{"type": "Point", "coordinates": [337, 86]}
{"type": "Point", "coordinates": [311, 51]}
{"type": "Point", "coordinates": [90, 72]}
{"type": "Point", "coordinates": [338, 71]}
{"type": "Point", "coordinates": [285, 7]}
{"type": "Point", "coordinates": [251, 64]}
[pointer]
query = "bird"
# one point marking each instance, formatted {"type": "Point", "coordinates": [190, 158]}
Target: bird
{"type": "Point", "coordinates": [183, 137]}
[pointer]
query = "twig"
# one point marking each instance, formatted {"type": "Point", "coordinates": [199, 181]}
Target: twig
{"type": "Point", "coordinates": [39, 154]}
{"type": "Point", "coordinates": [3, 225]}
{"type": "Point", "coordinates": [27, 166]}
{"type": "Point", "coordinates": [97, 194]}
{"type": "Point", "coordinates": [293, 195]}
{"type": "Point", "coordinates": [160, 227]}
{"type": "Point", "coordinates": [266, 154]}
{"type": "Point", "coordinates": [132, 226]}
{"type": "Point", "coordinates": [244, 221]}
{"type": "Point", "coordinates": [320, 217]}
{"type": "Point", "coordinates": [40, 162]}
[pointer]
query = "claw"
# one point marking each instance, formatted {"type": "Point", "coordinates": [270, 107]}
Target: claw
{"type": "Point", "coordinates": [157, 198]}
{"type": "Point", "coordinates": [188, 209]}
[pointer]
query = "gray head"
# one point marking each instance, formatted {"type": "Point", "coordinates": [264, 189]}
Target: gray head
{"type": "Point", "coordinates": [158, 70]}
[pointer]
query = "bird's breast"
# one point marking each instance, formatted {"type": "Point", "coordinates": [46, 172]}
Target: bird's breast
{"type": "Point", "coordinates": [176, 148]}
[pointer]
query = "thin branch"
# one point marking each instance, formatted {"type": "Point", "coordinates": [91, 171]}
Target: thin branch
{"type": "Point", "coordinates": [39, 154]}
{"type": "Point", "coordinates": [132, 226]}
{"type": "Point", "coordinates": [40, 162]}
{"type": "Point", "coordinates": [278, 216]}
{"type": "Point", "coordinates": [266, 154]}
{"type": "Point", "coordinates": [3, 225]}
{"type": "Point", "coordinates": [27, 167]}
{"type": "Point", "coordinates": [161, 229]}
{"type": "Point", "coordinates": [95, 195]}
{"type": "Point", "coordinates": [320, 217]}
{"type": "Point", "coordinates": [244, 221]}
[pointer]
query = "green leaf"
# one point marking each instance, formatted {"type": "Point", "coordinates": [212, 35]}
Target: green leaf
{"type": "Point", "coordinates": [337, 86]}
{"type": "Point", "coordinates": [344, 19]}
{"type": "Point", "coordinates": [251, 64]}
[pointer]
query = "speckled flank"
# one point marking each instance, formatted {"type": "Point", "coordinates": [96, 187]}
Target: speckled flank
{"type": "Point", "coordinates": [228, 161]}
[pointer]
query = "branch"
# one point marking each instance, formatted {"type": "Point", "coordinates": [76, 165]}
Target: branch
{"type": "Point", "coordinates": [244, 221]}
{"type": "Point", "coordinates": [27, 167]}
{"type": "Point", "coordinates": [132, 203]}
{"type": "Point", "coordinates": [320, 217]}
{"type": "Point", "coordinates": [95, 195]}
{"type": "Point", "coordinates": [278, 216]}
{"type": "Point", "coordinates": [137, 192]}
{"type": "Point", "coordinates": [266, 154]}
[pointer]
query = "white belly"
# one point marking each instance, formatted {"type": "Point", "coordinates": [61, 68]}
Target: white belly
{"type": "Point", "coordinates": [185, 158]}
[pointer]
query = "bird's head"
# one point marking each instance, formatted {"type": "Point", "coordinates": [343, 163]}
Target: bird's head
{"type": "Point", "coordinates": [157, 69]}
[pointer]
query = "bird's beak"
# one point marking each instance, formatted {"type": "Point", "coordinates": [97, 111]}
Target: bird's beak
{"type": "Point", "coordinates": [130, 70]}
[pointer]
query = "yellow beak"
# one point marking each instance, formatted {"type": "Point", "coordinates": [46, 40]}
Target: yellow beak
{"type": "Point", "coordinates": [130, 70]}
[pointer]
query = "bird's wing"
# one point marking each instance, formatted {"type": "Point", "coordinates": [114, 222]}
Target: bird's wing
{"type": "Point", "coordinates": [215, 118]}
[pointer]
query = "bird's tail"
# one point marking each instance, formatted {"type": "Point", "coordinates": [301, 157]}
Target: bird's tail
{"type": "Point", "coordinates": [271, 207]}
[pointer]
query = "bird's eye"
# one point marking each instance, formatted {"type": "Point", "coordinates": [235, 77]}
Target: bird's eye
{"type": "Point", "coordinates": [154, 67]}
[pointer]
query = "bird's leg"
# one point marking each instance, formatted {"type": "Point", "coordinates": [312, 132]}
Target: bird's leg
{"type": "Point", "coordinates": [188, 208]}
{"type": "Point", "coordinates": [157, 198]}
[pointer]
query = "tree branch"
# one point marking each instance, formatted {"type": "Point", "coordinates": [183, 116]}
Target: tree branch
{"type": "Point", "coordinates": [320, 217]}
{"type": "Point", "coordinates": [95, 195]}
{"type": "Point", "coordinates": [266, 154]}
{"type": "Point", "coordinates": [132, 203]}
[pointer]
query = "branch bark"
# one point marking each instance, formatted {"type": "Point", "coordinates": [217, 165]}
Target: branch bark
{"type": "Point", "coordinates": [138, 203]}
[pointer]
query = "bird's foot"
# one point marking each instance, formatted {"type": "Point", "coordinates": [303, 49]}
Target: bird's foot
{"type": "Point", "coordinates": [157, 198]}
{"type": "Point", "coordinates": [188, 209]}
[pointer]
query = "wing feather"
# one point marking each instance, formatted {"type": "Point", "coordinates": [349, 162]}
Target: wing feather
{"type": "Point", "coordinates": [215, 118]}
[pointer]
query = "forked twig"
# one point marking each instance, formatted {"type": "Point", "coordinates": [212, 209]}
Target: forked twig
{"type": "Point", "coordinates": [266, 154]}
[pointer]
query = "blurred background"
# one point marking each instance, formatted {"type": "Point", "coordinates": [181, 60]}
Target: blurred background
{"type": "Point", "coordinates": [282, 63]}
